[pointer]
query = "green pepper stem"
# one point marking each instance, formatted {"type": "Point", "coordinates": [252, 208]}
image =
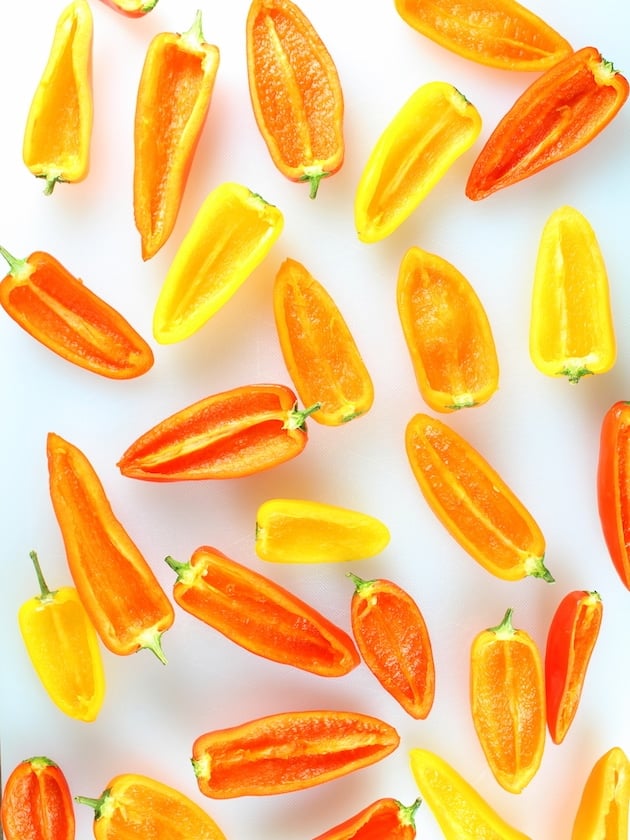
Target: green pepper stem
{"type": "Point", "coordinates": [408, 812]}
{"type": "Point", "coordinates": [46, 593]}
{"type": "Point", "coordinates": [14, 264]}
{"type": "Point", "coordinates": [505, 628]}
{"type": "Point", "coordinates": [297, 417]}
{"type": "Point", "coordinates": [194, 35]}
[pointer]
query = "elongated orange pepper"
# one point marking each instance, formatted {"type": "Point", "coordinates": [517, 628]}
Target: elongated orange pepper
{"type": "Point", "coordinates": [260, 615]}
{"type": "Point", "coordinates": [473, 502]}
{"type": "Point", "coordinates": [613, 486]}
{"type": "Point", "coordinates": [434, 128]}
{"type": "Point", "coordinates": [571, 639]}
{"type": "Point", "coordinates": [497, 33]}
{"type": "Point", "coordinates": [226, 435]}
{"type": "Point", "coordinates": [507, 697]}
{"type": "Point", "coordinates": [231, 234]}
{"type": "Point", "coordinates": [132, 8]}
{"type": "Point", "coordinates": [63, 647]}
{"type": "Point", "coordinates": [288, 751]}
{"type": "Point", "coordinates": [134, 805]}
{"type": "Point", "coordinates": [295, 92]}
{"type": "Point", "coordinates": [603, 807]}
{"type": "Point", "coordinates": [172, 105]}
{"type": "Point", "coordinates": [37, 803]}
{"type": "Point", "coordinates": [119, 590]}
{"type": "Point", "coordinates": [562, 111]}
{"type": "Point", "coordinates": [383, 819]}
{"type": "Point", "coordinates": [447, 331]}
{"type": "Point", "coordinates": [319, 350]}
{"type": "Point", "coordinates": [60, 312]}
{"type": "Point", "coordinates": [392, 637]}
{"type": "Point", "coordinates": [58, 130]}
{"type": "Point", "coordinates": [571, 279]}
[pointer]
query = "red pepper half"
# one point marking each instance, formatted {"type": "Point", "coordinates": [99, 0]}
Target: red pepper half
{"type": "Point", "coordinates": [613, 486]}
{"type": "Point", "coordinates": [37, 803]}
{"type": "Point", "coordinates": [384, 819]}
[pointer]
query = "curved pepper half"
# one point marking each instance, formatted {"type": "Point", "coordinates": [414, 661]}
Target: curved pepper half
{"type": "Point", "coordinates": [132, 8]}
{"type": "Point", "coordinates": [613, 486]}
{"type": "Point", "coordinates": [384, 819]}
{"type": "Point", "coordinates": [603, 808]}
{"type": "Point", "coordinates": [37, 802]}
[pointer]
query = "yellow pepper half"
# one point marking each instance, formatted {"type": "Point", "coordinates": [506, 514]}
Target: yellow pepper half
{"type": "Point", "coordinates": [603, 809]}
{"type": "Point", "coordinates": [63, 647]}
{"type": "Point", "coordinates": [58, 130]}
{"type": "Point", "coordinates": [299, 531]}
{"type": "Point", "coordinates": [431, 131]}
{"type": "Point", "coordinates": [231, 234]}
{"type": "Point", "coordinates": [571, 326]}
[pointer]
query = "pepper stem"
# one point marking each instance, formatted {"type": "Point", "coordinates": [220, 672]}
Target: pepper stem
{"type": "Point", "coordinates": [505, 628]}
{"type": "Point", "coordinates": [152, 640]}
{"type": "Point", "coordinates": [313, 176]}
{"type": "Point", "coordinates": [535, 567]}
{"type": "Point", "coordinates": [100, 805]}
{"type": "Point", "coordinates": [359, 583]}
{"type": "Point", "coordinates": [14, 264]}
{"type": "Point", "coordinates": [297, 417]}
{"type": "Point", "coordinates": [194, 35]}
{"type": "Point", "coordinates": [408, 812]}
{"type": "Point", "coordinates": [46, 593]}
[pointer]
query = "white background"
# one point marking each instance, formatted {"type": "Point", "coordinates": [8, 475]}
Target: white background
{"type": "Point", "coordinates": [540, 434]}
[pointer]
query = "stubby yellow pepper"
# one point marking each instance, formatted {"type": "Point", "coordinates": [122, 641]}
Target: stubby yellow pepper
{"type": "Point", "coordinates": [231, 234]}
{"type": "Point", "coordinates": [603, 808]}
{"type": "Point", "coordinates": [571, 326]}
{"type": "Point", "coordinates": [431, 131]}
{"type": "Point", "coordinates": [58, 130]}
{"type": "Point", "coordinates": [63, 647]}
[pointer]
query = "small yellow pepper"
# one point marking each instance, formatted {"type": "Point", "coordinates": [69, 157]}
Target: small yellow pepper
{"type": "Point", "coordinates": [603, 808]}
{"type": "Point", "coordinates": [571, 327]}
{"type": "Point", "coordinates": [58, 131]}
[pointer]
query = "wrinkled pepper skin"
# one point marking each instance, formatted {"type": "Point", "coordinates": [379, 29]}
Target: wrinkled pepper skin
{"type": "Point", "coordinates": [571, 279]}
{"type": "Point", "coordinates": [434, 128]}
{"type": "Point", "coordinates": [507, 698]}
{"type": "Point", "coordinates": [562, 111]}
{"type": "Point", "coordinates": [133, 805]}
{"type": "Point", "coordinates": [58, 132]}
{"type": "Point", "coordinates": [498, 33]}
{"type": "Point", "coordinates": [447, 331]}
{"type": "Point", "coordinates": [288, 751]}
{"type": "Point", "coordinates": [383, 819]}
{"type": "Point", "coordinates": [473, 502]}
{"type": "Point", "coordinates": [63, 647]}
{"type": "Point", "coordinates": [132, 8]}
{"type": "Point", "coordinates": [603, 807]}
{"type": "Point", "coordinates": [260, 615]}
{"type": "Point", "coordinates": [230, 236]}
{"type": "Point", "coordinates": [58, 310]}
{"type": "Point", "coordinates": [120, 592]}
{"type": "Point", "coordinates": [459, 810]}
{"type": "Point", "coordinates": [37, 803]}
{"type": "Point", "coordinates": [571, 638]}
{"type": "Point", "coordinates": [231, 434]}
{"type": "Point", "coordinates": [172, 105]}
{"type": "Point", "coordinates": [320, 353]}
{"type": "Point", "coordinates": [613, 483]}
{"type": "Point", "coordinates": [295, 92]}
{"type": "Point", "coordinates": [304, 531]}
{"type": "Point", "coordinates": [392, 637]}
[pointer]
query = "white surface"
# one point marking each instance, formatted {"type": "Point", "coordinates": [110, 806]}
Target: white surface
{"type": "Point", "coordinates": [541, 434]}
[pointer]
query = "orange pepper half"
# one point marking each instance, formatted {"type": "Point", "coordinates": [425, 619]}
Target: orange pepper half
{"type": "Point", "coordinates": [613, 486]}
{"type": "Point", "coordinates": [37, 803]}
{"type": "Point", "coordinates": [384, 819]}
{"type": "Point", "coordinates": [603, 808]}
{"type": "Point", "coordinates": [295, 92]}
{"type": "Point", "coordinates": [447, 331]}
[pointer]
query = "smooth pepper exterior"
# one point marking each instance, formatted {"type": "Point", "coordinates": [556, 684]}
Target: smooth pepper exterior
{"type": "Point", "coordinates": [37, 802]}
{"type": "Point", "coordinates": [603, 807]}
{"type": "Point", "coordinates": [613, 486]}
{"type": "Point", "coordinates": [383, 819]}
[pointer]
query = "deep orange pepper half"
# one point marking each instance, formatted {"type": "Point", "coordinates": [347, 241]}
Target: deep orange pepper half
{"type": "Point", "coordinates": [295, 92]}
{"type": "Point", "coordinates": [261, 616]}
{"type": "Point", "coordinates": [603, 807]}
{"type": "Point", "coordinates": [132, 8]}
{"type": "Point", "coordinates": [571, 639]}
{"type": "Point", "coordinates": [392, 636]}
{"type": "Point", "coordinates": [507, 696]}
{"type": "Point", "coordinates": [562, 111]}
{"type": "Point", "coordinates": [383, 819]}
{"type": "Point", "coordinates": [37, 803]}
{"type": "Point", "coordinates": [227, 435]}
{"type": "Point", "coordinates": [117, 586]}
{"type": "Point", "coordinates": [613, 486]}
{"type": "Point", "coordinates": [60, 312]}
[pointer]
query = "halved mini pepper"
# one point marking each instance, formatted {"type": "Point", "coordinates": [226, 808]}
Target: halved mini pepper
{"type": "Point", "coordinates": [37, 802]}
{"type": "Point", "coordinates": [132, 8]}
{"type": "Point", "coordinates": [571, 328]}
{"type": "Point", "coordinates": [58, 131]}
{"type": "Point", "coordinates": [435, 126]}
{"type": "Point", "coordinates": [603, 808]}
{"type": "Point", "coordinates": [613, 486]}
{"type": "Point", "coordinates": [383, 819]}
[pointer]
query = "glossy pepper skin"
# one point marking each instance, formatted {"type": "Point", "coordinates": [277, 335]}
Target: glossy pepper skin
{"type": "Point", "coordinates": [571, 639]}
{"type": "Point", "coordinates": [260, 615]}
{"type": "Point", "coordinates": [305, 531]}
{"type": "Point", "coordinates": [392, 637]}
{"type": "Point", "coordinates": [172, 105]}
{"type": "Point", "coordinates": [473, 502]}
{"type": "Point", "coordinates": [58, 132]}
{"type": "Point", "coordinates": [37, 803]}
{"type": "Point", "coordinates": [320, 353]}
{"type": "Point", "coordinates": [59, 311]}
{"type": "Point", "coordinates": [230, 236]}
{"type": "Point", "coordinates": [295, 92]}
{"type": "Point", "coordinates": [63, 647]}
{"type": "Point", "coordinates": [434, 128]}
{"type": "Point", "coordinates": [562, 111]}
{"type": "Point", "coordinates": [231, 434]}
{"type": "Point", "coordinates": [117, 586]}
{"type": "Point", "coordinates": [603, 807]}
{"type": "Point", "coordinates": [498, 33]}
{"type": "Point", "coordinates": [132, 8]}
{"type": "Point", "coordinates": [460, 811]}
{"type": "Point", "coordinates": [613, 481]}
{"type": "Point", "coordinates": [133, 805]}
{"type": "Point", "coordinates": [447, 331]}
{"type": "Point", "coordinates": [288, 751]}
{"type": "Point", "coordinates": [383, 819]}
{"type": "Point", "coordinates": [571, 279]}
